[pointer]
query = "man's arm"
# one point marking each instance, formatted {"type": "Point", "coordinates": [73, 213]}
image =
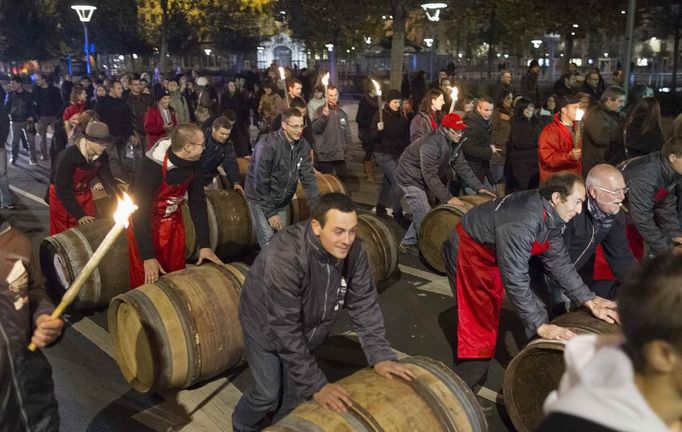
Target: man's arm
{"type": "Point", "coordinates": [364, 311]}
{"type": "Point", "coordinates": [616, 248]}
{"type": "Point", "coordinates": [641, 205]}
{"type": "Point", "coordinates": [475, 145]}
{"type": "Point", "coordinates": [667, 216]}
{"type": "Point", "coordinates": [229, 163]}
{"type": "Point", "coordinates": [283, 304]}
{"type": "Point", "coordinates": [463, 170]}
{"type": "Point", "coordinates": [263, 157]}
{"type": "Point", "coordinates": [307, 177]}
{"type": "Point", "coordinates": [429, 159]}
{"type": "Point", "coordinates": [550, 151]}
{"type": "Point", "coordinates": [319, 122]}
{"type": "Point", "coordinates": [147, 181]}
{"type": "Point", "coordinates": [597, 129]}
{"type": "Point", "coordinates": [63, 182]}
{"type": "Point", "coordinates": [198, 210]}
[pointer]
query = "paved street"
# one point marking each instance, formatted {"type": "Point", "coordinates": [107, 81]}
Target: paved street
{"type": "Point", "coordinates": [93, 396]}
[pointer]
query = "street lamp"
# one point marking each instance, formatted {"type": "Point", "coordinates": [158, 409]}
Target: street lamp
{"type": "Point", "coordinates": [84, 15]}
{"type": "Point", "coordinates": [432, 11]}
{"type": "Point", "coordinates": [208, 51]}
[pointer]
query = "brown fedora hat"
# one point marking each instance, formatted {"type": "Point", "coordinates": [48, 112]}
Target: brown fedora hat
{"type": "Point", "coordinates": [98, 132]}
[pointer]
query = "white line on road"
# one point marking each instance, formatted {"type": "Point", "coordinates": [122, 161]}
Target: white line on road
{"type": "Point", "coordinates": [437, 285]}
{"type": "Point", "coordinates": [29, 195]}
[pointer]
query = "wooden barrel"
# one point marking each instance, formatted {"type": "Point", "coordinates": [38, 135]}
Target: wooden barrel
{"type": "Point", "coordinates": [436, 400]}
{"type": "Point", "coordinates": [105, 205]}
{"type": "Point", "coordinates": [326, 183]}
{"type": "Point", "coordinates": [181, 330]}
{"type": "Point", "coordinates": [381, 245]}
{"type": "Point", "coordinates": [63, 256]}
{"type": "Point", "coordinates": [536, 371]}
{"type": "Point", "coordinates": [476, 199]}
{"type": "Point", "coordinates": [435, 229]}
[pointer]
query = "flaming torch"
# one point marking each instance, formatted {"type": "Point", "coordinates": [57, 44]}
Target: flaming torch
{"type": "Point", "coordinates": [377, 87]}
{"type": "Point", "coordinates": [454, 93]}
{"type": "Point", "coordinates": [283, 77]}
{"type": "Point", "coordinates": [125, 208]}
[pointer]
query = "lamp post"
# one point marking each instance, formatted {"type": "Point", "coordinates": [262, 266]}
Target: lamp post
{"type": "Point", "coordinates": [84, 15]}
{"type": "Point", "coordinates": [432, 11]}
{"type": "Point", "coordinates": [208, 51]}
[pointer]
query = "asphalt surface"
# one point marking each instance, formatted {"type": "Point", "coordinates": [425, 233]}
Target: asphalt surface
{"type": "Point", "coordinates": [417, 306]}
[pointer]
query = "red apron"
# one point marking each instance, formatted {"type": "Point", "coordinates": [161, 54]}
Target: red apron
{"type": "Point", "coordinates": [602, 270]}
{"type": "Point", "coordinates": [479, 296]}
{"type": "Point", "coordinates": [60, 218]}
{"type": "Point", "coordinates": [168, 231]}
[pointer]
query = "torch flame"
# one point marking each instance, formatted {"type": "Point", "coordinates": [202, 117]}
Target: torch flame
{"type": "Point", "coordinates": [377, 87]}
{"type": "Point", "coordinates": [579, 114]}
{"type": "Point", "coordinates": [454, 93]}
{"type": "Point", "coordinates": [281, 73]}
{"type": "Point", "coordinates": [325, 79]}
{"type": "Point", "coordinates": [124, 210]}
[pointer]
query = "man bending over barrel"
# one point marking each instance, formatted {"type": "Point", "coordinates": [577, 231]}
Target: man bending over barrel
{"type": "Point", "coordinates": [633, 382]}
{"type": "Point", "coordinates": [280, 159]}
{"type": "Point", "coordinates": [156, 235]}
{"type": "Point", "coordinates": [292, 296]}
{"type": "Point", "coordinates": [491, 248]}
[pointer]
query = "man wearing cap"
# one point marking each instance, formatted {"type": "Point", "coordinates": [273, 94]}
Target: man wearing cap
{"type": "Point", "coordinates": [156, 235]}
{"type": "Point", "coordinates": [69, 194]}
{"type": "Point", "coordinates": [417, 173]}
{"type": "Point", "coordinates": [159, 120]}
{"type": "Point", "coordinates": [557, 147]}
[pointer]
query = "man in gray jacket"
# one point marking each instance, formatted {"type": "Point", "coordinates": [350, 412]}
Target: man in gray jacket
{"type": "Point", "coordinates": [332, 134]}
{"type": "Point", "coordinates": [280, 159]}
{"type": "Point", "coordinates": [292, 296]}
{"type": "Point", "coordinates": [418, 172]}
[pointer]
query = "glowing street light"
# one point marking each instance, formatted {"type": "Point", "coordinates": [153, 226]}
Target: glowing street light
{"type": "Point", "coordinates": [536, 43]}
{"type": "Point", "coordinates": [85, 15]}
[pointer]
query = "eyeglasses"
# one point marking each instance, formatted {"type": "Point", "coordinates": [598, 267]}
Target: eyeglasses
{"type": "Point", "coordinates": [295, 127]}
{"type": "Point", "coordinates": [614, 193]}
{"type": "Point", "coordinates": [197, 144]}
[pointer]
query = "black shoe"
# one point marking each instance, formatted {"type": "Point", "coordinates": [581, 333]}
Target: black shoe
{"type": "Point", "coordinates": [409, 249]}
{"type": "Point", "coordinates": [401, 220]}
{"type": "Point", "coordinates": [13, 160]}
{"type": "Point", "coordinates": [9, 207]}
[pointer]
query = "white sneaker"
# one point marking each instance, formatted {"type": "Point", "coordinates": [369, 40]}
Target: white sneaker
{"type": "Point", "coordinates": [33, 163]}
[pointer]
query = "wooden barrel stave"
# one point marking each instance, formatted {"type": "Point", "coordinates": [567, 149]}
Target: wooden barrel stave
{"type": "Point", "coordinates": [475, 200]}
{"type": "Point", "coordinates": [64, 255]}
{"type": "Point", "coordinates": [435, 229]}
{"type": "Point", "coordinates": [536, 371]}
{"type": "Point", "coordinates": [179, 331]}
{"type": "Point", "coordinates": [230, 223]}
{"type": "Point", "coordinates": [436, 400]}
{"type": "Point", "coordinates": [381, 246]}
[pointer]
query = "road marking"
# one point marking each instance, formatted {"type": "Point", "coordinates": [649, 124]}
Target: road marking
{"type": "Point", "coordinates": [437, 285]}
{"type": "Point", "coordinates": [29, 195]}
{"type": "Point", "coordinates": [95, 334]}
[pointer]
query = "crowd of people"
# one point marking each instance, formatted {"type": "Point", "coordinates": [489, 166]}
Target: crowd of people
{"type": "Point", "coordinates": [554, 235]}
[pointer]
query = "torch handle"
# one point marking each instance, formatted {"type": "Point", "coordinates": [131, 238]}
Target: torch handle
{"type": "Point", "coordinates": [381, 111]}
{"type": "Point", "coordinates": [286, 97]}
{"type": "Point", "coordinates": [578, 135]}
{"type": "Point", "coordinates": [71, 293]}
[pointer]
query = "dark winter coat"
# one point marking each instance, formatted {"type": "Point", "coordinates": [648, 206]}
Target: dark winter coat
{"type": "Point", "coordinates": [20, 106]}
{"type": "Point", "coordinates": [523, 151]}
{"type": "Point", "coordinates": [640, 144]}
{"type": "Point", "coordinates": [294, 293]}
{"type": "Point", "coordinates": [274, 172]}
{"type": "Point", "coordinates": [602, 138]}
{"type": "Point", "coordinates": [396, 134]}
{"type": "Point", "coordinates": [216, 154]}
{"type": "Point", "coordinates": [367, 109]}
{"type": "Point", "coordinates": [476, 147]}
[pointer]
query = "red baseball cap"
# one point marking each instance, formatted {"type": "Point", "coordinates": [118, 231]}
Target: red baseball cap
{"type": "Point", "coordinates": [453, 121]}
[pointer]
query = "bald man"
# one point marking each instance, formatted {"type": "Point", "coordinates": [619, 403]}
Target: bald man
{"type": "Point", "coordinates": [600, 229]}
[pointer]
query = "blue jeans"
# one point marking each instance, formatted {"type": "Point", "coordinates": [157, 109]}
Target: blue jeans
{"type": "Point", "coordinates": [390, 193]}
{"type": "Point", "coordinates": [5, 196]}
{"type": "Point", "coordinates": [260, 224]}
{"type": "Point", "coordinates": [272, 389]}
{"type": "Point", "coordinates": [419, 204]}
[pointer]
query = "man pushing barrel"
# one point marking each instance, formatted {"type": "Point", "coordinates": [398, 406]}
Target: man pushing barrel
{"type": "Point", "coordinates": [156, 235]}
{"type": "Point", "coordinates": [293, 293]}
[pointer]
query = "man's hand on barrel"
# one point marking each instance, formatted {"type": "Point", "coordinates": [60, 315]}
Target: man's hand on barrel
{"type": "Point", "coordinates": [152, 268]}
{"type": "Point", "coordinates": [47, 330]}
{"type": "Point", "coordinates": [275, 222]}
{"type": "Point", "coordinates": [455, 201]}
{"type": "Point", "coordinates": [487, 192]}
{"type": "Point", "coordinates": [333, 397]}
{"type": "Point", "coordinates": [85, 220]}
{"type": "Point", "coordinates": [208, 254]}
{"type": "Point", "coordinates": [389, 369]}
{"type": "Point", "coordinates": [603, 309]}
{"type": "Point", "coordinates": [555, 332]}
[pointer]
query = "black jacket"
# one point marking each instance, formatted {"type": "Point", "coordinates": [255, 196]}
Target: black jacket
{"type": "Point", "coordinates": [138, 107]}
{"type": "Point", "coordinates": [655, 217]}
{"type": "Point", "coordinates": [592, 227]}
{"type": "Point", "coordinates": [115, 112]}
{"type": "Point", "coordinates": [477, 139]}
{"type": "Point", "coordinates": [48, 101]}
{"type": "Point", "coordinates": [4, 124]}
{"type": "Point", "coordinates": [216, 154]}
{"type": "Point", "coordinates": [602, 138]}
{"type": "Point", "coordinates": [510, 226]}
{"type": "Point", "coordinates": [20, 106]}
{"type": "Point", "coordinates": [396, 134]}
{"type": "Point", "coordinates": [523, 151]}
{"type": "Point", "coordinates": [367, 108]}
{"type": "Point", "coordinates": [275, 169]}
{"type": "Point", "coordinates": [420, 163]}
{"type": "Point", "coordinates": [640, 144]}
{"type": "Point", "coordinates": [293, 294]}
